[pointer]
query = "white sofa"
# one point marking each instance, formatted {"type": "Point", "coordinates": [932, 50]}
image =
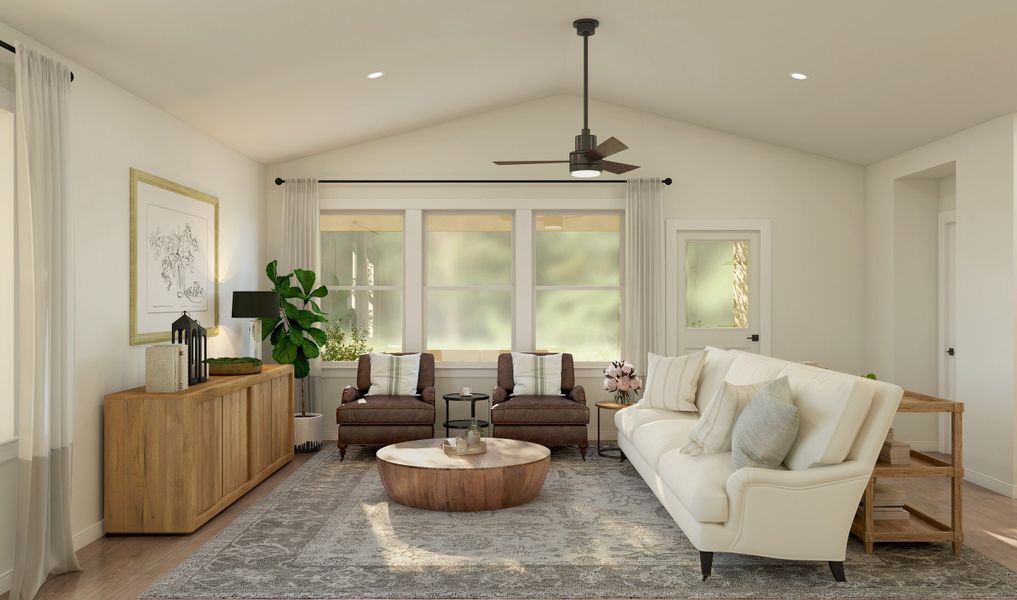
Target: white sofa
{"type": "Point", "coordinates": [803, 512]}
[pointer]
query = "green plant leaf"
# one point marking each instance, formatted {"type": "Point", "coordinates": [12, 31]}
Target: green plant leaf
{"type": "Point", "coordinates": [291, 311]}
{"type": "Point", "coordinates": [278, 333]}
{"type": "Point", "coordinates": [301, 368]}
{"type": "Point", "coordinates": [284, 352]}
{"type": "Point", "coordinates": [296, 336]}
{"type": "Point", "coordinates": [310, 348]}
{"type": "Point", "coordinates": [272, 270]}
{"type": "Point", "coordinates": [315, 308]}
{"type": "Point", "coordinates": [291, 292]}
{"type": "Point", "coordinates": [306, 319]}
{"type": "Point", "coordinates": [320, 292]}
{"type": "Point", "coordinates": [268, 325]}
{"type": "Point", "coordinates": [319, 336]}
{"type": "Point", "coordinates": [306, 279]}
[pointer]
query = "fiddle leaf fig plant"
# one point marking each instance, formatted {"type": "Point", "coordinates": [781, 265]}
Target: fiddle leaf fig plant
{"type": "Point", "coordinates": [295, 335]}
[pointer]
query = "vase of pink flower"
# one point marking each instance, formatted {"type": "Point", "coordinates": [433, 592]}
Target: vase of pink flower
{"type": "Point", "coordinates": [621, 380]}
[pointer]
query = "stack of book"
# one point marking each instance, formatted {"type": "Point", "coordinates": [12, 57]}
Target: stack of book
{"type": "Point", "coordinates": [895, 452]}
{"type": "Point", "coordinates": [166, 368]}
{"type": "Point", "coordinates": [888, 503]}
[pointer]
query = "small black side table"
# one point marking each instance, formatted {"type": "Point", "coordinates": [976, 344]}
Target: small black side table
{"type": "Point", "coordinates": [604, 449]}
{"type": "Point", "coordinates": [463, 423]}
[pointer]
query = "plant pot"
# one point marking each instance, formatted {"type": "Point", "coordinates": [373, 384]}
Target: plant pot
{"type": "Point", "coordinates": [307, 432]}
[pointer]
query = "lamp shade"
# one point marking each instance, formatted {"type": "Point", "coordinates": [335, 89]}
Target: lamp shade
{"type": "Point", "coordinates": [252, 305]}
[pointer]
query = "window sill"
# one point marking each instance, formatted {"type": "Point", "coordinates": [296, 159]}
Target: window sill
{"type": "Point", "coordinates": [345, 369]}
{"type": "Point", "coordinates": [8, 450]}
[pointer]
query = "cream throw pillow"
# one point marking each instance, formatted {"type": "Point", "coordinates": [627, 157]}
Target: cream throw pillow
{"type": "Point", "coordinates": [713, 431]}
{"type": "Point", "coordinates": [394, 375]}
{"type": "Point", "coordinates": [671, 381]}
{"type": "Point", "coordinates": [536, 375]}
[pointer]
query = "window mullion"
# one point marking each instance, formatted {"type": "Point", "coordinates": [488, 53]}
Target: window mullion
{"type": "Point", "coordinates": [523, 264]}
{"type": "Point", "coordinates": [413, 280]}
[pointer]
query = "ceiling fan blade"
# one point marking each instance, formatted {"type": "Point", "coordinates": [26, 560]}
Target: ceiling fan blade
{"type": "Point", "coordinates": [606, 148]}
{"type": "Point", "coordinates": [528, 162]}
{"type": "Point", "coordinates": [616, 167]}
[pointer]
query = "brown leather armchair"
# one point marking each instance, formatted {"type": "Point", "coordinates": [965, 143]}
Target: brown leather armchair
{"type": "Point", "coordinates": [545, 420]}
{"type": "Point", "coordinates": [383, 420]}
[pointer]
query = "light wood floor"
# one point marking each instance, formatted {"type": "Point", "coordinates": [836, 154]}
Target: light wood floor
{"type": "Point", "coordinates": [122, 567]}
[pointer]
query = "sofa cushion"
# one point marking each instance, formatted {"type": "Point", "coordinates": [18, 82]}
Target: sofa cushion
{"type": "Point", "coordinates": [627, 420]}
{"type": "Point", "coordinates": [699, 483]}
{"type": "Point", "coordinates": [653, 439]}
{"type": "Point", "coordinates": [540, 410]}
{"type": "Point", "coordinates": [671, 381]}
{"type": "Point", "coordinates": [713, 431]}
{"type": "Point", "coordinates": [831, 409]}
{"type": "Point", "coordinates": [747, 369]}
{"type": "Point", "coordinates": [391, 410]}
{"type": "Point", "coordinates": [711, 379]}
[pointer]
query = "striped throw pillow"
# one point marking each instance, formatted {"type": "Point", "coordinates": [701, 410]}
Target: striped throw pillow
{"type": "Point", "coordinates": [394, 375]}
{"type": "Point", "coordinates": [671, 381]}
{"type": "Point", "coordinates": [713, 431]}
{"type": "Point", "coordinates": [536, 375]}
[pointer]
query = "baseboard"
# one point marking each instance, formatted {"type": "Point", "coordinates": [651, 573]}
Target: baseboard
{"type": "Point", "coordinates": [990, 483]}
{"type": "Point", "coordinates": [5, 581]}
{"type": "Point", "coordinates": [88, 535]}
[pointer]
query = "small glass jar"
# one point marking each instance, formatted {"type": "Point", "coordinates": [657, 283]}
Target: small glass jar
{"type": "Point", "coordinates": [473, 433]}
{"type": "Point", "coordinates": [461, 445]}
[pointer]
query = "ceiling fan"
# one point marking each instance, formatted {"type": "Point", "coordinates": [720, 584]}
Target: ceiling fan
{"type": "Point", "coordinates": [587, 160]}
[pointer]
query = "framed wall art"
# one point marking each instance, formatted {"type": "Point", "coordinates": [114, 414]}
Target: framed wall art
{"type": "Point", "coordinates": [174, 257]}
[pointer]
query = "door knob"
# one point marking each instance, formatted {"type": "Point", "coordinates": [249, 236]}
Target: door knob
{"type": "Point", "coordinates": [753, 338]}
{"type": "Point", "coordinates": [950, 351]}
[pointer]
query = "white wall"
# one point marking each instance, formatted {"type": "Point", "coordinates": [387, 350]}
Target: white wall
{"type": "Point", "coordinates": [112, 131]}
{"type": "Point", "coordinates": [984, 157]}
{"type": "Point", "coordinates": [815, 204]}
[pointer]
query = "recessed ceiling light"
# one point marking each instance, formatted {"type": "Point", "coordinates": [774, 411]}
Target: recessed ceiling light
{"type": "Point", "coordinates": [799, 76]}
{"type": "Point", "coordinates": [375, 75]}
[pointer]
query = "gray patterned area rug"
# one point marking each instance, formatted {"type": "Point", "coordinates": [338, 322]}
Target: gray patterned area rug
{"type": "Point", "coordinates": [596, 531]}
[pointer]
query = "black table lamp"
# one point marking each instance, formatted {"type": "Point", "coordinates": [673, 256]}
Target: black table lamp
{"type": "Point", "coordinates": [254, 306]}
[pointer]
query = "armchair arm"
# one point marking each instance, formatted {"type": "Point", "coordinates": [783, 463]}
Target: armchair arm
{"type": "Point", "coordinates": [499, 395]}
{"type": "Point", "coordinates": [350, 394]}
{"type": "Point", "coordinates": [427, 395]}
{"type": "Point", "coordinates": [577, 394]}
{"type": "Point", "coordinates": [814, 507]}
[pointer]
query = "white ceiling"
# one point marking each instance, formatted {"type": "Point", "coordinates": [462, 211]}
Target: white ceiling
{"type": "Point", "coordinates": [278, 80]}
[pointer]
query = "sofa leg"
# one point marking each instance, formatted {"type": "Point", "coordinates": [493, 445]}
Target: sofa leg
{"type": "Point", "coordinates": [837, 568]}
{"type": "Point", "coordinates": [706, 563]}
{"type": "Point", "coordinates": [582, 450]}
{"type": "Point", "coordinates": [342, 451]}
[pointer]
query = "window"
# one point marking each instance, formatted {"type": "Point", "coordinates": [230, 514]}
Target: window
{"type": "Point", "coordinates": [717, 285]}
{"type": "Point", "coordinates": [577, 284]}
{"type": "Point", "coordinates": [362, 265]}
{"type": "Point", "coordinates": [468, 278]}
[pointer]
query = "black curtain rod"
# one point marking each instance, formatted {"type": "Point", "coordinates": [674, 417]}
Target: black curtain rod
{"type": "Point", "coordinates": [280, 181]}
{"type": "Point", "coordinates": [14, 50]}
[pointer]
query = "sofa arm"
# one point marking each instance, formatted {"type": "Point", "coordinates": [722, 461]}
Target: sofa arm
{"type": "Point", "coordinates": [350, 394]}
{"type": "Point", "coordinates": [577, 394]}
{"type": "Point", "coordinates": [427, 395]}
{"type": "Point", "coordinates": [814, 507]}
{"type": "Point", "coordinates": [498, 395]}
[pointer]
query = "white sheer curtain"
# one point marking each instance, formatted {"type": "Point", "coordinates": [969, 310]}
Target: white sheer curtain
{"type": "Point", "coordinates": [301, 247]}
{"type": "Point", "coordinates": [644, 271]}
{"type": "Point", "coordinates": [44, 324]}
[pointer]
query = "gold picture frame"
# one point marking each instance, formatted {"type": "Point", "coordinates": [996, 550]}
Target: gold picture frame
{"type": "Point", "coordinates": [194, 216]}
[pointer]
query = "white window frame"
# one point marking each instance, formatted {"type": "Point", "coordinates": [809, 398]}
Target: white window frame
{"type": "Point", "coordinates": [8, 402]}
{"type": "Point", "coordinates": [523, 264]}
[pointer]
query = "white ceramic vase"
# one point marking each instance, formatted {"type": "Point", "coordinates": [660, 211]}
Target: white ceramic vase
{"type": "Point", "coordinates": [307, 432]}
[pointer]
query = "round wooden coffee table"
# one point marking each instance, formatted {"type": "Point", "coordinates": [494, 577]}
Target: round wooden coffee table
{"type": "Point", "coordinates": [421, 475]}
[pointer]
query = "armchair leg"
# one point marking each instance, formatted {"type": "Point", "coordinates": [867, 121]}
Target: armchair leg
{"type": "Point", "coordinates": [837, 568]}
{"type": "Point", "coordinates": [342, 451]}
{"type": "Point", "coordinates": [582, 450]}
{"type": "Point", "coordinates": [706, 563]}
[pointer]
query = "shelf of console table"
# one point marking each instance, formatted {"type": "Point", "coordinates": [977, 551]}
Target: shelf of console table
{"type": "Point", "coordinates": [920, 527]}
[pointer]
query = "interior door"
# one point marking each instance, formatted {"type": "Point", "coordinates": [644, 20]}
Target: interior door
{"type": "Point", "coordinates": [716, 292]}
{"type": "Point", "coordinates": [947, 319]}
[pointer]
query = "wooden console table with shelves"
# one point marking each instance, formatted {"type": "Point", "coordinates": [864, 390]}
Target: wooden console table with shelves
{"type": "Point", "coordinates": [920, 527]}
{"type": "Point", "coordinates": [173, 461]}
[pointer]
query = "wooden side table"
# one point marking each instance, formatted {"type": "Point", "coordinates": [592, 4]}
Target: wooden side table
{"type": "Point", "coordinates": [604, 449]}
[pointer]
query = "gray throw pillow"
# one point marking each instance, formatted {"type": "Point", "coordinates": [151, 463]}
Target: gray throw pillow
{"type": "Point", "coordinates": [766, 429]}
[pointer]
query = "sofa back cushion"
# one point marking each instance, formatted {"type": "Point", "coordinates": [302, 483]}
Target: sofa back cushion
{"type": "Point", "coordinates": [747, 369]}
{"type": "Point", "coordinates": [535, 375]}
{"type": "Point", "coordinates": [394, 375]}
{"type": "Point", "coordinates": [831, 409]}
{"type": "Point", "coordinates": [711, 379]}
{"type": "Point", "coordinates": [507, 383]}
{"type": "Point", "coordinates": [425, 377]}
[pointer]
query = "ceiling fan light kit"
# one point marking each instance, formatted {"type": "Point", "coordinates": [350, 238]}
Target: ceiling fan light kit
{"type": "Point", "coordinates": [587, 160]}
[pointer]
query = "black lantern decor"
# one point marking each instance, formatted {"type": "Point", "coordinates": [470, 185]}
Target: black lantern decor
{"type": "Point", "coordinates": [188, 331]}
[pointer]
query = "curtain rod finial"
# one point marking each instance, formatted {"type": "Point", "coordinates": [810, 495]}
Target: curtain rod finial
{"type": "Point", "coordinates": [665, 181]}
{"type": "Point", "coordinates": [280, 181]}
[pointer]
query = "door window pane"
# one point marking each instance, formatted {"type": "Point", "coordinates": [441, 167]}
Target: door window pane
{"type": "Point", "coordinates": [717, 284]}
{"type": "Point", "coordinates": [467, 250]}
{"type": "Point", "coordinates": [469, 325]}
{"type": "Point", "coordinates": [378, 313]}
{"type": "Point", "coordinates": [581, 250]}
{"type": "Point", "coordinates": [362, 250]}
{"type": "Point", "coordinates": [586, 323]}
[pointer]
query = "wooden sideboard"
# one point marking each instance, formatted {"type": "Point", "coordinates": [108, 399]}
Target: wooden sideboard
{"type": "Point", "coordinates": [173, 461]}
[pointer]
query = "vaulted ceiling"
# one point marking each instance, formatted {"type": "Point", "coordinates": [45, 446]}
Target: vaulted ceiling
{"type": "Point", "coordinates": [278, 80]}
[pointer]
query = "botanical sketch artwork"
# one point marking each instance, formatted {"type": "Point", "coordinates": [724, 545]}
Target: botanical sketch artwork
{"type": "Point", "coordinates": [174, 257]}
